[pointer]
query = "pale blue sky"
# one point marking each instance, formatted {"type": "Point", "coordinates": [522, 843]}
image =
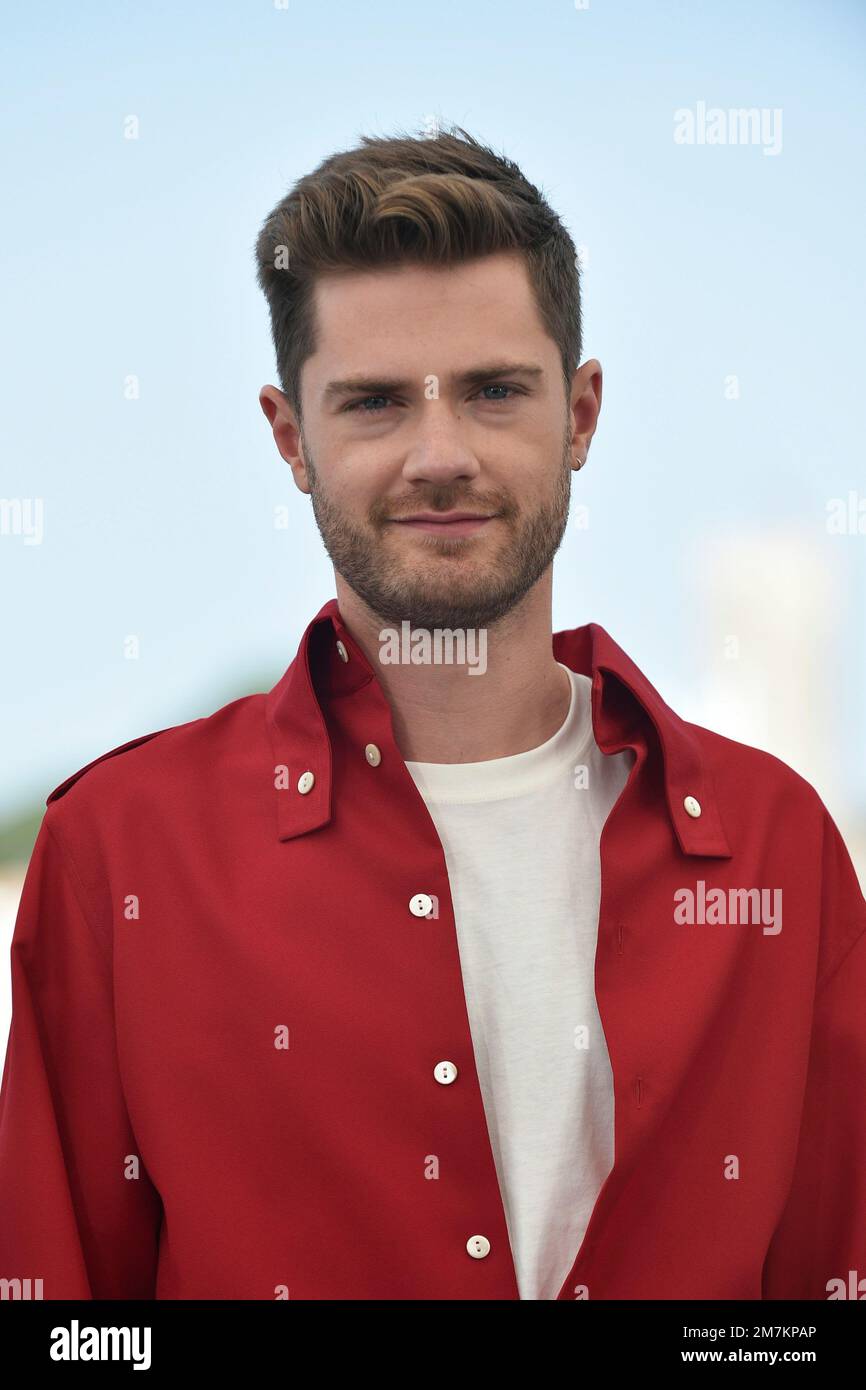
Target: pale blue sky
{"type": "Point", "coordinates": [127, 257]}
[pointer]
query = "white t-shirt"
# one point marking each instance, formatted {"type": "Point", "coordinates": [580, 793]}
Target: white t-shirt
{"type": "Point", "coordinates": [521, 842]}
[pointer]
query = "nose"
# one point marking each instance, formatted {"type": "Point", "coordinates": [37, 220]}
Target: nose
{"type": "Point", "coordinates": [439, 452]}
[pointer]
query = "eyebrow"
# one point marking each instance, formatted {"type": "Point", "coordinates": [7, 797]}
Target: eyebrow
{"type": "Point", "coordinates": [391, 386]}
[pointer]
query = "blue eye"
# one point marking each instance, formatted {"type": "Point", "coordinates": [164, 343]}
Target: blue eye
{"type": "Point", "coordinates": [367, 407]}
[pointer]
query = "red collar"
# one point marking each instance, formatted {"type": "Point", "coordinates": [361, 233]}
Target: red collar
{"type": "Point", "coordinates": [621, 698]}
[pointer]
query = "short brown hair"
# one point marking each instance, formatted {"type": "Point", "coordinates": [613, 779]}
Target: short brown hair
{"type": "Point", "coordinates": [437, 199]}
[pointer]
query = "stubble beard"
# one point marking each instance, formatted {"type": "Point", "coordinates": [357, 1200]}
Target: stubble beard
{"type": "Point", "coordinates": [438, 594]}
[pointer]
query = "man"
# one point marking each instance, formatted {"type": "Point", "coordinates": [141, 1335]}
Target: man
{"type": "Point", "coordinates": [458, 966]}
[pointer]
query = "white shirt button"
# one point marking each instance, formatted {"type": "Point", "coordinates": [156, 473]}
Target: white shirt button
{"type": "Point", "coordinates": [305, 782]}
{"type": "Point", "coordinates": [372, 754]}
{"type": "Point", "coordinates": [341, 651]}
{"type": "Point", "coordinates": [478, 1247]}
{"type": "Point", "coordinates": [693, 806]}
{"type": "Point", "coordinates": [445, 1073]}
{"type": "Point", "coordinates": [421, 905]}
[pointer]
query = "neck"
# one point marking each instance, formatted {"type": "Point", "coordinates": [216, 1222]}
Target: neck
{"type": "Point", "coordinates": [442, 714]}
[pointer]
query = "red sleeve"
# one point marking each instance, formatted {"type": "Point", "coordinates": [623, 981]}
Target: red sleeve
{"type": "Point", "coordinates": [69, 1214]}
{"type": "Point", "coordinates": [821, 1236]}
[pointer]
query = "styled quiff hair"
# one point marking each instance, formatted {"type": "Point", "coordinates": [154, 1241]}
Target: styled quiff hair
{"type": "Point", "coordinates": [434, 200]}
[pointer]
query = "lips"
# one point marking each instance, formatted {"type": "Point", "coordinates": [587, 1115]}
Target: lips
{"type": "Point", "coordinates": [450, 524]}
{"type": "Point", "coordinates": [445, 518]}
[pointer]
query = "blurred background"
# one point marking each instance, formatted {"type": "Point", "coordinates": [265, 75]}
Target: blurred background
{"type": "Point", "coordinates": [708, 161]}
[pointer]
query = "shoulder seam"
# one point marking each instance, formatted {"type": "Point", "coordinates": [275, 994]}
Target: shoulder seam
{"type": "Point", "coordinates": [63, 787]}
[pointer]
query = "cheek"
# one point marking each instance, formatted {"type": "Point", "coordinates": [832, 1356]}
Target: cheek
{"type": "Point", "coordinates": [351, 488]}
{"type": "Point", "coordinates": [359, 475]}
{"type": "Point", "coordinates": [523, 459]}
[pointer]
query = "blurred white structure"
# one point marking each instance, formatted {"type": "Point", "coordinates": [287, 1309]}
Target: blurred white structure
{"type": "Point", "coordinates": [11, 883]}
{"type": "Point", "coordinates": [775, 622]}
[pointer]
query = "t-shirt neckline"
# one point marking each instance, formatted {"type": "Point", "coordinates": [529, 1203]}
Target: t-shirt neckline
{"type": "Point", "coordinates": [495, 779]}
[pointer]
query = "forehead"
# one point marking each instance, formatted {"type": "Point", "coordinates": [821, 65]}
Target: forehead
{"type": "Point", "coordinates": [412, 309]}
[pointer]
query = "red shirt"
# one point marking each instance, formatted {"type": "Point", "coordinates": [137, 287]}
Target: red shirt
{"type": "Point", "coordinates": [220, 1081]}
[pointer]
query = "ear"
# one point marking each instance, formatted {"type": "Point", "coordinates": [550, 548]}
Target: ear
{"type": "Point", "coordinates": [584, 407]}
{"type": "Point", "coordinates": [286, 431]}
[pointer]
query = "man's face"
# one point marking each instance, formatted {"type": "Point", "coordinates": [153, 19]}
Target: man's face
{"type": "Point", "coordinates": [436, 392]}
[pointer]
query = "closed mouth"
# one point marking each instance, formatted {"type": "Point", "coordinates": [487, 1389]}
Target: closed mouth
{"type": "Point", "coordinates": [444, 518]}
